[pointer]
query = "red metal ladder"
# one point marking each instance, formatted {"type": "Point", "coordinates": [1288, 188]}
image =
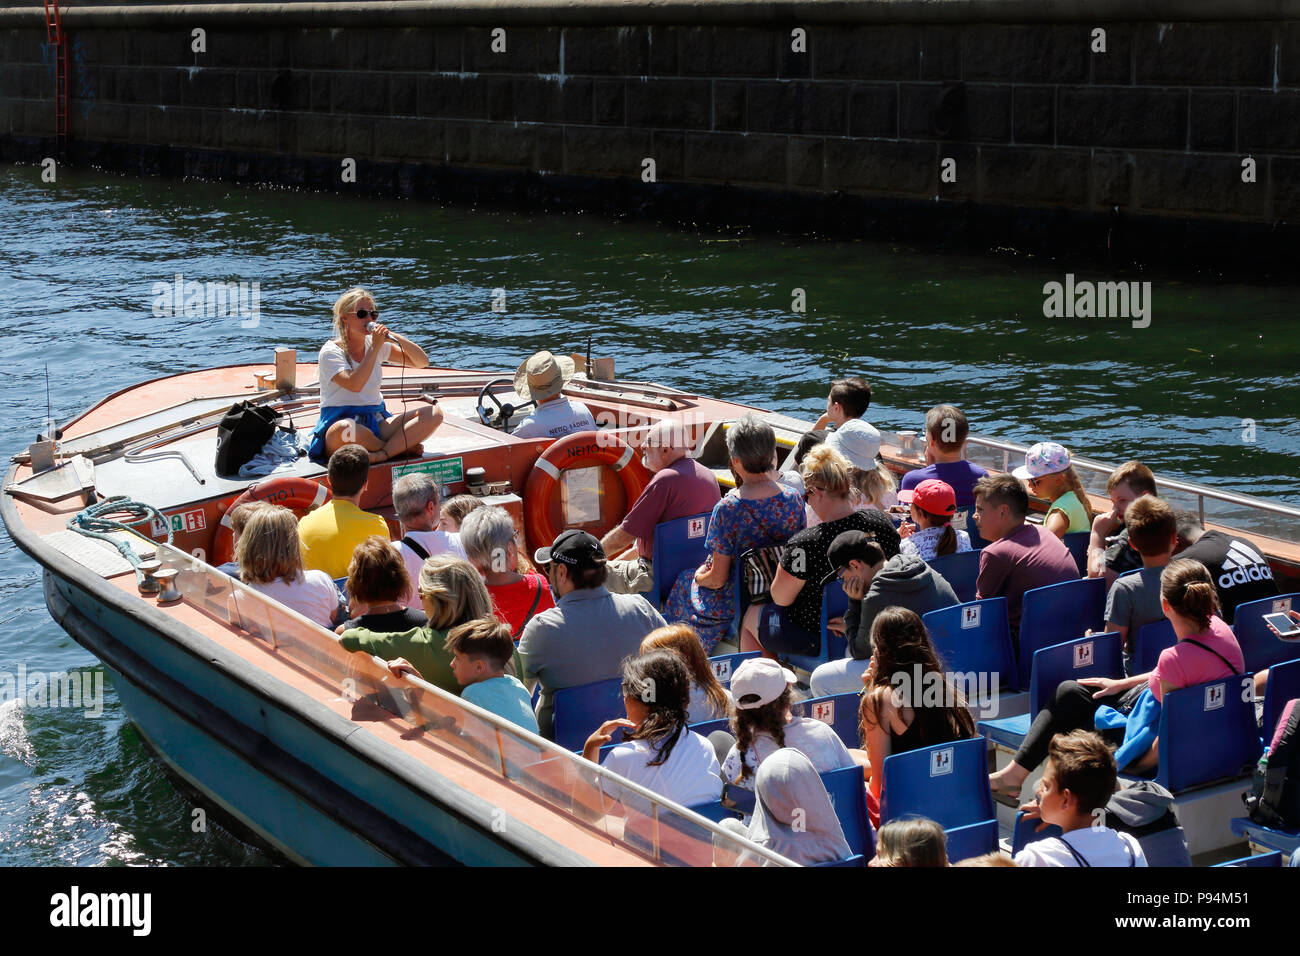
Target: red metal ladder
{"type": "Point", "coordinates": [59, 41]}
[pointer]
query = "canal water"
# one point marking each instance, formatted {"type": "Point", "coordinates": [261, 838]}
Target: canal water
{"type": "Point", "coordinates": [1207, 391]}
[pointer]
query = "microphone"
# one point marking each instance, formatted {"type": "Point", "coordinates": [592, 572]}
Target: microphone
{"type": "Point", "coordinates": [370, 326]}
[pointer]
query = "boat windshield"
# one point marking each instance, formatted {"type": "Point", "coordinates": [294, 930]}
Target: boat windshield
{"type": "Point", "coordinates": [634, 817]}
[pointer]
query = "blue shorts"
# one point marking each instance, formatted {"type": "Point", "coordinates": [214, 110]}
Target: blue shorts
{"type": "Point", "coordinates": [779, 634]}
{"type": "Point", "coordinates": [369, 416]}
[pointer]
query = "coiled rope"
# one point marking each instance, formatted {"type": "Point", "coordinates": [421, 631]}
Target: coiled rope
{"type": "Point", "coordinates": [91, 522]}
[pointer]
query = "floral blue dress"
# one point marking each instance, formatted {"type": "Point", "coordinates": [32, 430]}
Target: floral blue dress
{"type": "Point", "coordinates": [737, 525]}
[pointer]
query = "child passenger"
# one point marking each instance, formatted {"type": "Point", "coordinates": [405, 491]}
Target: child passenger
{"type": "Point", "coordinates": [1050, 475]}
{"type": "Point", "coordinates": [709, 699]}
{"type": "Point", "coordinates": [930, 534]}
{"type": "Point", "coordinates": [1079, 779]}
{"type": "Point", "coordinates": [480, 650]}
{"type": "Point", "coordinates": [911, 841]}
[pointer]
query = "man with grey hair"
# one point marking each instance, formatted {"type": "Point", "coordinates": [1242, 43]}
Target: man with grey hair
{"type": "Point", "coordinates": [416, 501]}
{"type": "Point", "coordinates": [681, 487]}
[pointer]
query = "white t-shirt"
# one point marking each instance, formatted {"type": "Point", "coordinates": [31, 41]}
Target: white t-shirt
{"type": "Point", "coordinates": [313, 595]}
{"type": "Point", "coordinates": [556, 419]}
{"type": "Point", "coordinates": [689, 776]}
{"type": "Point", "coordinates": [333, 360]}
{"type": "Point", "coordinates": [813, 738]}
{"type": "Point", "coordinates": [701, 707]}
{"type": "Point", "coordinates": [435, 542]}
{"type": "Point", "coordinates": [1100, 846]}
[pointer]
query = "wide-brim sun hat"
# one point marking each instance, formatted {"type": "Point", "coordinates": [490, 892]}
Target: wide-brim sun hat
{"type": "Point", "coordinates": [858, 445]}
{"type": "Point", "coordinates": [543, 376]}
{"type": "Point", "coordinates": [1045, 458]}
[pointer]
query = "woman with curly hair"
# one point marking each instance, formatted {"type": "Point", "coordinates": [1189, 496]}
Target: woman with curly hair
{"type": "Point", "coordinates": [764, 723]}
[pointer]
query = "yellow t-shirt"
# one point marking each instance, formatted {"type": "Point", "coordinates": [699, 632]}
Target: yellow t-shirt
{"type": "Point", "coordinates": [332, 532]}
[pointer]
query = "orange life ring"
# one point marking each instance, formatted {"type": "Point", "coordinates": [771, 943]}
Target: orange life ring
{"type": "Point", "coordinates": [298, 494]}
{"type": "Point", "coordinates": [579, 450]}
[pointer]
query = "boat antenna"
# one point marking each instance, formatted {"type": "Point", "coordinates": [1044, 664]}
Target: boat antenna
{"type": "Point", "coordinates": [589, 375]}
{"type": "Point", "coordinates": [49, 414]}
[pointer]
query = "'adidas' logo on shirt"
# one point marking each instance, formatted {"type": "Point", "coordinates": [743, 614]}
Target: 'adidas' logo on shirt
{"type": "Point", "coordinates": [1243, 564]}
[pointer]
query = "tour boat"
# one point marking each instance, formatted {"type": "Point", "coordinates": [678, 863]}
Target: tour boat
{"type": "Point", "coordinates": [324, 755]}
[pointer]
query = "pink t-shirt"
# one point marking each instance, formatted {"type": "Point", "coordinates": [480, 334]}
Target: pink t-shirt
{"type": "Point", "coordinates": [683, 488]}
{"type": "Point", "coordinates": [1029, 557]}
{"type": "Point", "coordinates": [1185, 665]}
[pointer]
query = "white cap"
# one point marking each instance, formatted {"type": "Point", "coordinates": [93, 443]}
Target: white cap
{"type": "Point", "coordinates": [761, 677]}
{"type": "Point", "coordinates": [858, 442]}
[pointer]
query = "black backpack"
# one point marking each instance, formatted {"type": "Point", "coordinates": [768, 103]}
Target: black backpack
{"type": "Point", "coordinates": [242, 433]}
{"type": "Point", "coordinates": [1274, 799]}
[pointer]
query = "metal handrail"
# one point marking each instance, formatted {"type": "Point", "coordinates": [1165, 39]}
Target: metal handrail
{"type": "Point", "coordinates": [1201, 492]}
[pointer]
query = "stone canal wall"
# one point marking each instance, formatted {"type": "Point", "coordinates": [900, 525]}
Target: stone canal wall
{"type": "Point", "coordinates": [1068, 125]}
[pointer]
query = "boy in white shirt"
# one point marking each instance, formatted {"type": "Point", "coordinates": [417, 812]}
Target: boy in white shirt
{"type": "Point", "coordinates": [1076, 786]}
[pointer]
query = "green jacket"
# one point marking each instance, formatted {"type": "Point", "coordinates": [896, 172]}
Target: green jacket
{"type": "Point", "coordinates": [422, 646]}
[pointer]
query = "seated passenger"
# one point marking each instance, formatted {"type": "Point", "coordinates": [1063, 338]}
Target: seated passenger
{"type": "Point", "coordinates": [946, 430]}
{"type": "Point", "coordinates": [270, 561]}
{"type": "Point", "coordinates": [911, 841]}
{"type": "Point", "coordinates": [758, 513]}
{"type": "Point", "coordinates": [898, 711]}
{"type": "Point", "coordinates": [492, 543]}
{"type": "Point", "coordinates": [845, 406]}
{"type": "Point", "coordinates": [1239, 572]}
{"type": "Point", "coordinates": [585, 637]}
{"type": "Point", "coordinates": [681, 487]}
{"type": "Point", "coordinates": [1050, 476]}
{"type": "Point", "coordinates": [1134, 599]}
{"type": "Point", "coordinates": [453, 593]}
{"type": "Point", "coordinates": [542, 379]}
{"type": "Point", "coordinates": [1021, 556]}
{"type": "Point", "coordinates": [791, 624]}
{"type": "Point", "coordinates": [1109, 551]}
{"type": "Point", "coordinates": [1206, 651]}
{"type": "Point", "coordinates": [377, 587]}
{"type": "Point", "coordinates": [480, 652]}
{"type": "Point", "coordinates": [454, 510]}
{"type": "Point", "coordinates": [872, 585]}
{"type": "Point", "coordinates": [930, 533]}
{"type": "Point", "coordinates": [1079, 780]}
{"type": "Point", "coordinates": [332, 532]}
{"type": "Point", "coordinates": [351, 377]}
{"type": "Point", "coordinates": [660, 752]}
{"type": "Point", "coordinates": [415, 499]}
{"type": "Point", "coordinates": [709, 699]}
{"type": "Point", "coordinates": [238, 520]}
{"type": "Point", "coordinates": [793, 815]}
{"type": "Point", "coordinates": [763, 724]}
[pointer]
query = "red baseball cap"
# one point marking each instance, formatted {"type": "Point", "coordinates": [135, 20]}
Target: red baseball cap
{"type": "Point", "coordinates": [931, 496]}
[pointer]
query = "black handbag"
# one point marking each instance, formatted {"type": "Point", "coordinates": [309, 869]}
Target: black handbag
{"type": "Point", "coordinates": [758, 568]}
{"type": "Point", "coordinates": [242, 433]}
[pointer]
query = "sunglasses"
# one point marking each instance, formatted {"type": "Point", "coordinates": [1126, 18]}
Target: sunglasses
{"type": "Point", "coordinates": [364, 314]}
{"type": "Point", "coordinates": [807, 494]}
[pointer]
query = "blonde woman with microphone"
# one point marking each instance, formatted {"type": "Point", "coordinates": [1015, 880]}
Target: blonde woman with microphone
{"type": "Point", "coordinates": [351, 378]}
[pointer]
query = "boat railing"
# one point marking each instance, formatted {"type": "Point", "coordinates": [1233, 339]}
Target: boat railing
{"type": "Point", "coordinates": [629, 814]}
{"type": "Point", "coordinates": [1273, 519]}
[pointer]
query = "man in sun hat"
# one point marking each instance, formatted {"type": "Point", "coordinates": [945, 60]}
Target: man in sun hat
{"type": "Point", "coordinates": [585, 637]}
{"type": "Point", "coordinates": [542, 379]}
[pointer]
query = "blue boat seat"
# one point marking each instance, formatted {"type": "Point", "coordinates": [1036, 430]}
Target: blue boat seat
{"type": "Point", "coordinates": [1077, 543]}
{"type": "Point", "coordinates": [974, 638]}
{"type": "Point", "coordinates": [1283, 685]}
{"type": "Point", "coordinates": [678, 545]}
{"type": "Point", "coordinates": [1260, 647]}
{"type": "Point", "coordinates": [840, 711]}
{"type": "Point", "coordinates": [706, 727]}
{"type": "Point", "coordinates": [1058, 613]}
{"type": "Point", "coordinates": [960, 570]}
{"type": "Point", "coordinates": [835, 603]}
{"type": "Point", "coordinates": [1207, 733]}
{"type": "Point", "coordinates": [1287, 841]}
{"type": "Point", "coordinates": [856, 860]}
{"type": "Point", "coordinates": [715, 811]}
{"type": "Point", "coordinates": [579, 711]}
{"type": "Point", "coordinates": [1150, 640]}
{"type": "Point", "coordinates": [1026, 832]}
{"type": "Point", "coordinates": [1100, 655]}
{"type": "Point", "coordinates": [949, 784]}
{"type": "Point", "coordinates": [848, 794]}
{"type": "Point", "coordinates": [963, 519]}
{"type": "Point", "coordinates": [724, 665]}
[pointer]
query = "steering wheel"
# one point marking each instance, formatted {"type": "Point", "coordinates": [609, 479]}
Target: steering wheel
{"type": "Point", "coordinates": [498, 417]}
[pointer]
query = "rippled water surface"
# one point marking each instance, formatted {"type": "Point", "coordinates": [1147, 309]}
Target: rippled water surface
{"type": "Point", "coordinates": [78, 263]}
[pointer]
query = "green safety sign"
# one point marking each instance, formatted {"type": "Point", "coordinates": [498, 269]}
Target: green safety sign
{"type": "Point", "coordinates": [445, 471]}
